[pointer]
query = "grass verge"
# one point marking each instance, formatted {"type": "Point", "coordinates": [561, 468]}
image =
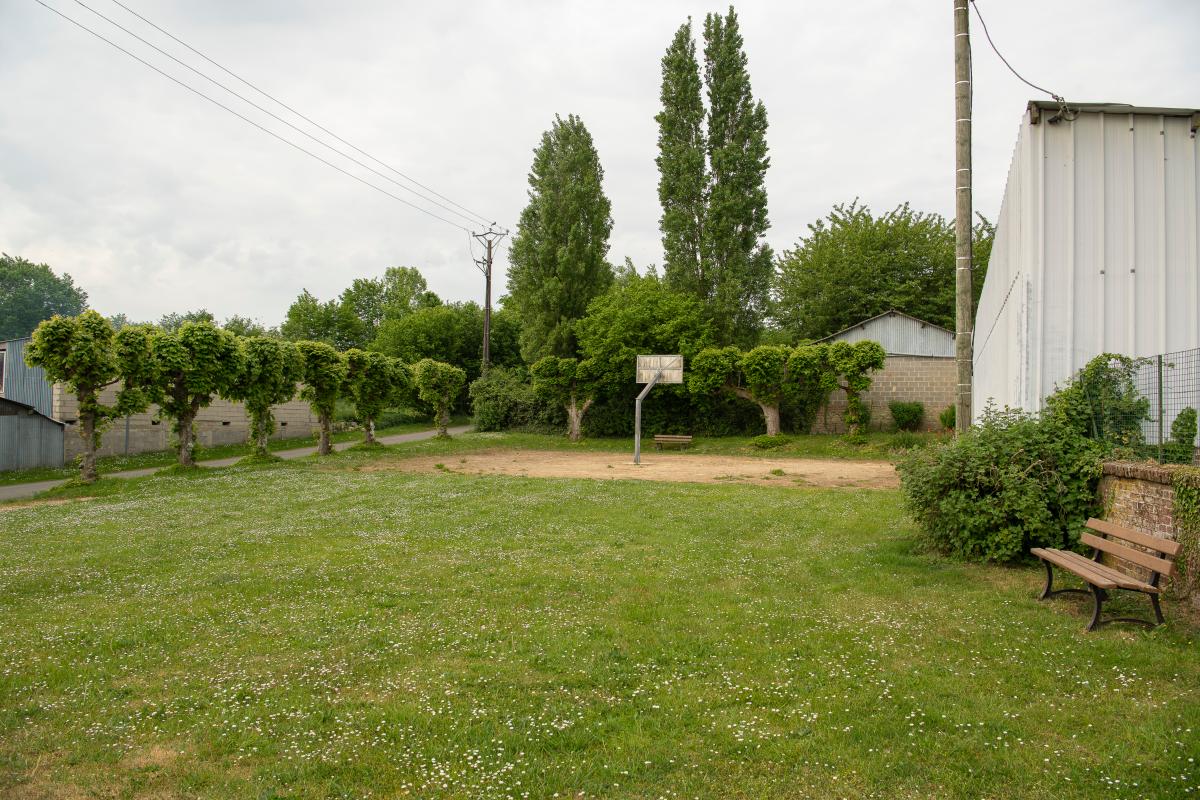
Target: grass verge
{"type": "Point", "coordinates": [293, 631]}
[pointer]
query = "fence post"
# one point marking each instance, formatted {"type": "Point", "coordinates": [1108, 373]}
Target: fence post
{"type": "Point", "coordinates": [1160, 410]}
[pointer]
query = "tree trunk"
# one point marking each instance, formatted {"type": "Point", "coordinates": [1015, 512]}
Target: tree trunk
{"type": "Point", "coordinates": [324, 447]}
{"type": "Point", "coordinates": [443, 419]}
{"type": "Point", "coordinates": [771, 415]}
{"type": "Point", "coordinates": [87, 464]}
{"type": "Point", "coordinates": [370, 430]}
{"type": "Point", "coordinates": [262, 431]}
{"type": "Point", "coordinates": [575, 414]}
{"type": "Point", "coordinates": [187, 439]}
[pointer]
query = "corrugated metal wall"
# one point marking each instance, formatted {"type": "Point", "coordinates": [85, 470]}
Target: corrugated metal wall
{"type": "Point", "coordinates": [28, 439]}
{"type": "Point", "coordinates": [900, 334]}
{"type": "Point", "coordinates": [1096, 251]}
{"type": "Point", "coordinates": [26, 384]}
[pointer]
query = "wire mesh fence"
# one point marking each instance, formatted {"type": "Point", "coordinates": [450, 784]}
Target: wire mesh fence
{"type": "Point", "coordinates": [1145, 405]}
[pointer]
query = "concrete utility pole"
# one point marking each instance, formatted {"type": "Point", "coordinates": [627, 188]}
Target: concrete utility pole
{"type": "Point", "coordinates": [490, 238]}
{"type": "Point", "coordinates": [964, 312]}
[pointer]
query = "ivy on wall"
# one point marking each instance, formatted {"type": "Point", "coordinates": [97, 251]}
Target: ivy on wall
{"type": "Point", "coordinates": [1186, 512]}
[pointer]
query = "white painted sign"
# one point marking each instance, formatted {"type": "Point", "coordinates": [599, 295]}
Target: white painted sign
{"type": "Point", "coordinates": [671, 367]}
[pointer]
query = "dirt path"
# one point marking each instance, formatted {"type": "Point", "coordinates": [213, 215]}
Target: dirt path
{"type": "Point", "coordinates": [677, 467]}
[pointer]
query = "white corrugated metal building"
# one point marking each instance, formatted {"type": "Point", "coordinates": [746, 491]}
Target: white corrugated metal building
{"type": "Point", "coordinates": [900, 334]}
{"type": "Point", "coordinates": [1096, 248]}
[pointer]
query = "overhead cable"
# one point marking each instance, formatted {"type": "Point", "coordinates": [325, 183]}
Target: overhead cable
{"type": "Point", "coordinates": [247, 120]}
{"type": "Point", "coordinates": [274, 116]}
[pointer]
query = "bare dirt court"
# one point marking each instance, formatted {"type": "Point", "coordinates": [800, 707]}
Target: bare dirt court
{"type": "Point", "coordinates": [657, 466]}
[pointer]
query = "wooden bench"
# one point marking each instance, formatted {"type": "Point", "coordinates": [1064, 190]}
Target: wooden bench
{"type": "Point", "coordinates": [661, 439]}
{"type": "Point", "coordinates": [1101, 578]}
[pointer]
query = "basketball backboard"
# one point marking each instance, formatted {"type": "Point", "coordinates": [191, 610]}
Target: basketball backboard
{"type": "Point", "coordinates": [671, 367]}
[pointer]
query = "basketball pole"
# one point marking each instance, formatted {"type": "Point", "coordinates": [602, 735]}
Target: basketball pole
{"type": "Point", "coordinates": [637, 418]}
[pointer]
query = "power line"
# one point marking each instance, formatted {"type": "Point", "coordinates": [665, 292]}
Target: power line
{"type": "Point", "coordinates": [478, 217]}
{"type": "Point", "coordinates": [245, 119]}
{"type": "Point", "coordinates": [983, 24]}
{"type": "Point", "coordinates": [274, 116]}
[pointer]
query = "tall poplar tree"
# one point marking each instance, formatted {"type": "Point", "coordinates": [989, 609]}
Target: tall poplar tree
{"type": "Point", "coordinates": [682, 168]}
{"type": "Point", "coordinates": [558, 261]}
{"type": "Point", "coordinates": [712, 181]}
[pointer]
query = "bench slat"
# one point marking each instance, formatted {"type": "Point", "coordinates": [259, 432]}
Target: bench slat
{"type": "Point", "coordinates": [1058, 558]}
{"type": "Point", "coordinates": [1160, 565]}
{"type": "Point", "coordinates": [1120, 578]}
{"type": "Point", "coordinates": [1165, 546]}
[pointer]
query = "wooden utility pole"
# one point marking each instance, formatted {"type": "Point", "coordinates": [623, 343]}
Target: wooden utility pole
{"type": "Point", "coordinates": [964, 312]}
{"type": "Point", "coordinates": [489, 238]}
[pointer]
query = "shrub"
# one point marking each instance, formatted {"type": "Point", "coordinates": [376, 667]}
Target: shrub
{"type": "Point", "coordinates": [1102, 402]}
{"type": "Point", "coordinates": [766, 442]}
{"type": "Point", "coordinates": [906, 440]}
{"type": "Point", "coordinates": [907, 416]}
{"type": "Point", "coordinates": [1014, 482]}
{"type": "Point", "coordinates": [438, 383]}
{"type": "Point", "coordinates": [503, 400]}
{"type": "Point", "coordinates": [1182, 447]}
{"type": "Point", "coordinates": [948, 418]}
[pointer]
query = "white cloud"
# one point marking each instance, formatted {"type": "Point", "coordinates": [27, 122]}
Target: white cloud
{"type": "Point", "coordinates": [156, 201]}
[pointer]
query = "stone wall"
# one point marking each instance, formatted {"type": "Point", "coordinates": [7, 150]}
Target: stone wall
{"type": "Point", "coordinates": [220, 423]}
{"type": "Point", "coordinates": [1142, 497]}
{"type": "Point", "coordinates": [929, 380]}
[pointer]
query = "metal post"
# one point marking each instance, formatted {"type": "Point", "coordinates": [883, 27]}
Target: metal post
{"type": "Point", "coordinates": [963, 285]}
{"type": "Point", "coordinates": [1160, 410]}
{"type": "Point", "coordinates": [637, 418]}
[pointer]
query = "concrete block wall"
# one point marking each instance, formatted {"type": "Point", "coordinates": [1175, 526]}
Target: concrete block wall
{"type": "Point", "coordinates": [1142, 497]}
{"type": "Point", "coordinates": [929, 380]}
{"type": "Point", "coordinates": [220, 423]}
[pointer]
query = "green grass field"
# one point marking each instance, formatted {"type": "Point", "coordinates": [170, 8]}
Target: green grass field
{"type": "Point", "coordinates": [306, 630]}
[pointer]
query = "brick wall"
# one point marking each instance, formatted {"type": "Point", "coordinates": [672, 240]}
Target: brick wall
{"type": "Point", "coordinates": [929, 380]}
{"type": "Point", "coordinates": [1142, 497]}
{"type": "Point", "coordinates": [220, 423]}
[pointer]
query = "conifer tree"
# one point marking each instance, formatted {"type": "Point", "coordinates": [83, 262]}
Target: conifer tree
{"type": "Point", "coordinates": [558, 261]}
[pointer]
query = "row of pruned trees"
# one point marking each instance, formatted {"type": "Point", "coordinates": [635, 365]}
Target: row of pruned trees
{"type": "Point", "coordinates": [182, 371]}
{"type": "Point", "coordinates": [765, 375]}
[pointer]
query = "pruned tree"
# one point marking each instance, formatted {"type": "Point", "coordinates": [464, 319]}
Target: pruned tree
{"type": "Point", "coordinates": [438, 384]}
{"type": "Point", "coordinates": [374, 381]}
{"type": "Point", "coordinates": [761, 375]}
{"type": "Point", "coordinates": [186, 369]}
{"type": "Point", "coordinates": [558, 260]}
{"type": "Point", "coordinates": [82, 353]}
{"type": "Point", "coordinates": [841, 365]}
{"type": "Point", "coordinates": [324, 380]}
{"type": "Point", "coordinates": [569, 383]}
{"type": "Point", "coordinates": [270, 372]}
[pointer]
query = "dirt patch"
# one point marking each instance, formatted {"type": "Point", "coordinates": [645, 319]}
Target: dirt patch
{"type": "Point", "coordinates": [39, 503]}
{"type": "Point", "coordinates": [671, 467]}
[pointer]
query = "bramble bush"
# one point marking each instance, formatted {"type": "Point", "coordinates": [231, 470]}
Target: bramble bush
{"type": "Point", "coordinates": [1013, 482]}
{"type": "Point", "coordinates": [907, 416]}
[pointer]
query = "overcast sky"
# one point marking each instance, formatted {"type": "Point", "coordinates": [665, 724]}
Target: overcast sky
{"type": "Point", "coordinates": [155, 200]}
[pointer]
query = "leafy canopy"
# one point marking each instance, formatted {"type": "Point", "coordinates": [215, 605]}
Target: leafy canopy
{"type": "Point", "coordinates": [31, 293]}
{"type": "Point", "coordinates": [324, 376]}
{"type": "Point", "coordinates": [854, 265]}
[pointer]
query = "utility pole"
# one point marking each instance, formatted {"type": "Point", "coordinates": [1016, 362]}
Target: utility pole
{"type": "Point", "coordinates": [964, 313]}
{"type": "Point", "coordinates": [490, 238]}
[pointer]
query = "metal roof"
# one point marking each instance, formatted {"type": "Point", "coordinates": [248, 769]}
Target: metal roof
{"type": "Point", "coordinates": [893, 312]}
{"type": "Point", "coordinates": [1036, 107]}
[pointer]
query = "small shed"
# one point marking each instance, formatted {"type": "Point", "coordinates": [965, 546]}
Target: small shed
{"type": "Point", "coordinates": [29, 436]}
{"type": "Point", "coordinates": [28, 439]}
{"type": "Point", "coordinates": [900, 334]}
